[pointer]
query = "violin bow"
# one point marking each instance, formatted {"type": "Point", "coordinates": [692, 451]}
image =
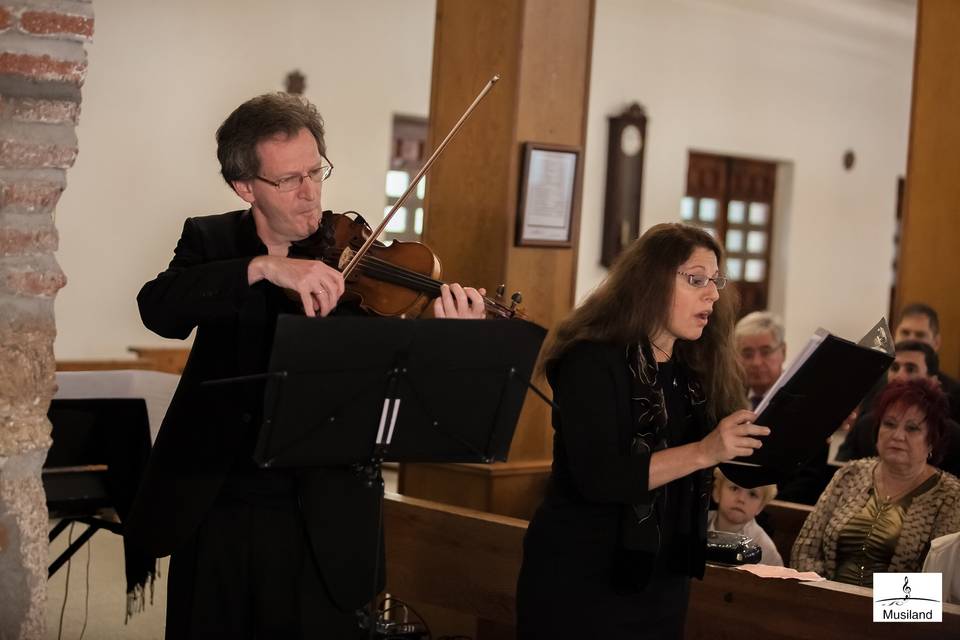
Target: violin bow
{"type": "Point", "coordinates": [355, 260]}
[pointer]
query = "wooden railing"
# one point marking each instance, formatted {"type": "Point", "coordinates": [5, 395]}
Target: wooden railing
{"type": "Point", "coordinates": [167, 360]}
{"type": "Point", "coordinates": [467, 561]}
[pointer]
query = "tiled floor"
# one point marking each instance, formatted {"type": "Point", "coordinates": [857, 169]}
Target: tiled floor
{"type": "Point", "coordinates": [107, 604]}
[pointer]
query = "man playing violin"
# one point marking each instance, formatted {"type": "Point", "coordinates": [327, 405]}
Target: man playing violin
{"type": "Point", "coordinates": [255, 552]}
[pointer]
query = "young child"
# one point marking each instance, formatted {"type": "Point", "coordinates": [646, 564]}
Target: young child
{"type": "Point", "coordinates": [737, 508]}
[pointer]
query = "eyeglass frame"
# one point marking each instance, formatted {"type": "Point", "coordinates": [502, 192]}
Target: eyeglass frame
{"type": "Point", "coordinates": [302, 176]}
{"type": "Point", "coordinates": [765, 352]}
{"type": "Point", "coordinates": [719, 282]}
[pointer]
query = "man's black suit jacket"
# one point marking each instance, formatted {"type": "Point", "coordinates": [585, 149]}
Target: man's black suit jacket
{"type": "Point", "coordinates": [209, 431]}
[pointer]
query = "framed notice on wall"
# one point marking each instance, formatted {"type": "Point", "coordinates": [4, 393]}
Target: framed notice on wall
{"type": "Point", "coordinates": [548, 192]}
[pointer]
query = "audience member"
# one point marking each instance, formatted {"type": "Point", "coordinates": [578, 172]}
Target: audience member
{"type": "Point", "coordinates": [944, 558]}
{"type": "Point", "coordinates": [737, 509]}
{"type": "Point", "coordinates": [879, 514]}
{"type": "Point", "coordinates": [920, 322]}
{"type": "Point", "coordinates": [761, 350]}
{"type": "Point", "coordinates": [914, 360]}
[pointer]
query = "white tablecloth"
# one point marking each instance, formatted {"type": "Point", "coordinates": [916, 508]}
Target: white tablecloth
{"type": "Point", "coordinates": [154, 387]}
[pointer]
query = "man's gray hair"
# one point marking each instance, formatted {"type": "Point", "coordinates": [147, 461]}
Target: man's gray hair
{"type": "Point", "coordinates": [758, 322]}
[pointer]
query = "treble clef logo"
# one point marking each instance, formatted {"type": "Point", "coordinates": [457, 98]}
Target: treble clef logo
{"type": "Point", "coordinates": [907, 600]}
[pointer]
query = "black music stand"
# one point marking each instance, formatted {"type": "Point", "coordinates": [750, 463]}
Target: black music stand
{"type": "Point", "coordinates": [345, 391]}
{"type": "Point", "coordinates": [360, 391]}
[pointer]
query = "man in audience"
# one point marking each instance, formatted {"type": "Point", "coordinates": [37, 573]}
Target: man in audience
{"type": "Point", "coordinates": [914, 359]}
{"type": "Point", "coordinates": [920, 322]}
{"type": "Point", "coordinates": [760, 346]}
{"type": "Point", "coordinates": [759, 341]}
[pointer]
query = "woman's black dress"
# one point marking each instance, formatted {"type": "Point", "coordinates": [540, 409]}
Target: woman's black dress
{"type": "Point", "coordinates": [591, 569]}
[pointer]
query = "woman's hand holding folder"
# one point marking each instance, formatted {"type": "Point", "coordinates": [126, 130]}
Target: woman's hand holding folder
{"type": "Point", "coordinates": [734, 436]}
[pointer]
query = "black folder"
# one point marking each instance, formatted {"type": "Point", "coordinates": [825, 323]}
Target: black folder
{"type": "Point", "coordinates": [808, 404]}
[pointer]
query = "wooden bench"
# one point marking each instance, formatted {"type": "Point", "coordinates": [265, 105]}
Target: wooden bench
{"type": "Point", "coordinates": [787, 519]}
{"type": "Point", "coordinates": [164, 359]}
{"type": "Point", "coordinates": [453, 557]}
{"type": "Point", "coordinates": [104, 365]}
{"type": "Point", "coordinates": [467, 561]}
{"type": "Point", "coordinates": [732, 604]}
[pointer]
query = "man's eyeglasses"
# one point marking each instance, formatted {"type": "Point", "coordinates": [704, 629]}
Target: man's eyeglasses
{"type": "Point", "coordinates": [700, 281]}
{"type": "Point", "coordinates": [292, 183]}
{"type": "Point", "coordinates": [763, 352]}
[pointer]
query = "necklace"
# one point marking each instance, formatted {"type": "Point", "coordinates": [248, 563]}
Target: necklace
{"type": "Point", "coordinates": [661, 350]}
{"type": "Point", "coordinates": [912, 484]}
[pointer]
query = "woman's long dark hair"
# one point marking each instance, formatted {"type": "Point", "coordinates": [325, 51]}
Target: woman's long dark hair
{"type": "Point", "coordinates": [635, 301]}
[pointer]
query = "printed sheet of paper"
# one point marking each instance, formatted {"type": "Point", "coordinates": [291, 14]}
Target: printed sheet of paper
{"type": "Point", "coordinates": [783, 573]}
{"type": "Point", "coordinates": [549, 198]}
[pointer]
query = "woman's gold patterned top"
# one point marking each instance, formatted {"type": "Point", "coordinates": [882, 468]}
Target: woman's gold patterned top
{"type": "Point", "coordinates": [930, 515]}
{"type": "Point", "coordinates": [868, 541]}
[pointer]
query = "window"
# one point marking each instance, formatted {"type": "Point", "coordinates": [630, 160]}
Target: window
{"type": "Point", "coordinates": [732, 199]}
{"type": "Point", "coordinates": [407, 155]}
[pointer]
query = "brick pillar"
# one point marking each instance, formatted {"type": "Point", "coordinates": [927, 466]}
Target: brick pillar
{"type": "Point", "coordinates": [42, 66]}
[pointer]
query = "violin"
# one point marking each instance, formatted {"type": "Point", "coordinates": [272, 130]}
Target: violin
{"type": "Point", "coordinates": [398, 279]}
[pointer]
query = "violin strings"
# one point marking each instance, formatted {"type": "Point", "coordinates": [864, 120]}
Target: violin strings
{"type": "Point", "coordinates": [398, 275]}
{"type": "Point", "coordinates": [405, 276]}
{"type": "Point", "coordinates": [391, 273]}
{"type": "Point", "coordinates": [386, 267]}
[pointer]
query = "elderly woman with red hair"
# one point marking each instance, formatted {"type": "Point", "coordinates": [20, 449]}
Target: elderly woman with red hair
{"type": "Point", "coordinates": [880, 514]}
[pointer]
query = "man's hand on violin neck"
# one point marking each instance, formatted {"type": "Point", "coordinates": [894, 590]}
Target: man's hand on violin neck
{"type": "Point", "coordinates": [319, 286]}
{"type": "Point", "coordinates": [459, 302]}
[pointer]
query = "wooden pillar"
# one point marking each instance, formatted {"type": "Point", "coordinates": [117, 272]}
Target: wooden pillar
{"type": "Point", "coordinates": [542, 50]}
{"type": "Point", "coordinates": [930, 238]}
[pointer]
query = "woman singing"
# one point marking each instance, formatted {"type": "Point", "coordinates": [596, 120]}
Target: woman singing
{"type": "Point", "coordinates": [639, 372]}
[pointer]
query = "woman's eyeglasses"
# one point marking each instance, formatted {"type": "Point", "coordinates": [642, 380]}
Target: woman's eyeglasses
{"type": "Point", "coordinates": [700, 281]}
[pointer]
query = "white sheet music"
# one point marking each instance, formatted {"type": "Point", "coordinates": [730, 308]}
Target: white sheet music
{"type": "Point", "coordinates": [154, 387]}
{"type": "Point", "coordinates": [819, 336]}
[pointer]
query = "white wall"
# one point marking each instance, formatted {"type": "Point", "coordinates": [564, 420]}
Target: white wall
{"type": "Point", "coordinates": [162, 77]}
{"type": "Point", "coordinates": [796, 81]}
